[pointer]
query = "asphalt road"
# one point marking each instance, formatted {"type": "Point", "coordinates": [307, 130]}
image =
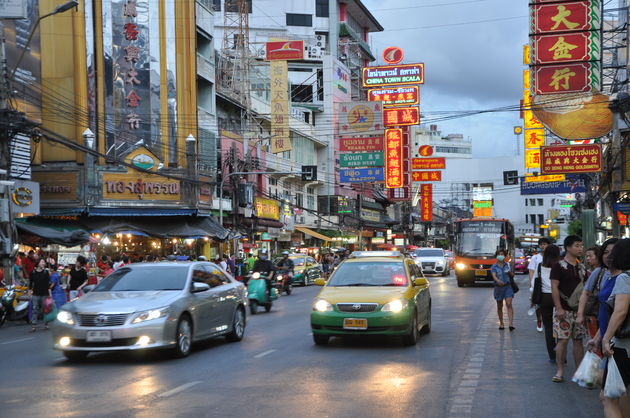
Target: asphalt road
{"type": "Point", "coordinates": [466, 367]}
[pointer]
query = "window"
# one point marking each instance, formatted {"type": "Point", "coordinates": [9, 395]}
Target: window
{"type": "Point", "coordinates": [310, 202]}
{"type": "Point", "coordinates": [302, 93]}
{"type": "Point", "coordinates": [541, 202]}
{"type": "Point", "coordinates": [216, 5]}
{"type": "Point", "coordinates": [299, 200]}
{"type": "Point", "coordinates": [541, 219]}
{"type": "Point", "coordinates": [532, 219]}
{"type": "Point", "coordinates": [273, 182]}
{"type": "Point", "coordinates": [299, 19]}
{"type": "Point", "coordinates": [532, 202]}
{"type": "Point", "coordinates": [310, 260]}
{"type": "Point", "coordinates": [232, 6]}
{"type": "Point", "coordinates": [321, 8]}
{"type": "Point", "coordinates": [525, 202]}
{"type": "Point", "coordinates": [320, 85]}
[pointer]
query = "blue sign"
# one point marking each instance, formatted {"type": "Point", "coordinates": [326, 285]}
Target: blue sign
{"type": "Point", "coordinates": [622, 207]}
{"type": "Point", "coordinates": [570, 185]}
{"type": "Point", "coordinates": [361, 175]}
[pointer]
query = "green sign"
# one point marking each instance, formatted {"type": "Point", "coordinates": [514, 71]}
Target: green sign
{"type": "Point", "coordinates": [362, 159]}
{"type": "Point", "coordinates": [480, 204]}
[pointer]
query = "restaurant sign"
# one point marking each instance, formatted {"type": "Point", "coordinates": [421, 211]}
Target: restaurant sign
{"type": "Point", "coordinates": [373, 143]}
{"type": "Point", "coordinates": [561, 159]}
{"type": "Point", "coordinates": [426, 203]}
{"type": "Point", "coordinates": [361, 175]}
{"type": "Point", "coordinates": [362, 159]}
{"type": "Point", "coordinates": [267, 208]}
{"type": "Point", "coordinates": [401, 116]}
{"type": "Point", "coordinates": [140, 186]}
{"type": "Point", "coordinates": [426, 176]}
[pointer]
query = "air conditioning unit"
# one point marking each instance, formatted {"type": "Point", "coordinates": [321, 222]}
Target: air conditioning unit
{"type": "Point", "coordinates": [312, 53]}
{"type": "Point", "coordinates": [261, 53]}
{"type": "Point", "coordinates": [320, 41]}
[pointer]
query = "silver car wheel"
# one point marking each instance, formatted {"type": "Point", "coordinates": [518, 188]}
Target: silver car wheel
{"type": "Point", "coordinates": [184, 336]}
{"type": "Point", "coordinates": [239, 325]}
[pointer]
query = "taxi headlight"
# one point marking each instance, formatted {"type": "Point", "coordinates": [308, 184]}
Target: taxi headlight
{"type": "Point", "coordinates": [460, 266]}
{"type": "Point", "coordinates": [395, 305]}
{"type": "Point", "coordinates": [65, 317]}
{"type": "Point", "coordinates": [321, 305]}
{"type": "Point", "coordinates": [150, 315]}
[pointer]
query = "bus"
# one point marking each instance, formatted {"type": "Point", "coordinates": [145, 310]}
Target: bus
{"type": "Point", "coordinates": [476, 242]}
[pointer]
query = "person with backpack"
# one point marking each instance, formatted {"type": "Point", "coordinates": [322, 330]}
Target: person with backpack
{"type": "Point", "coordinates": [589, 302]}
{"type": "Point", "coordinates": [567, 282]}
{"type": "Point", "coordinates": [542, 297]}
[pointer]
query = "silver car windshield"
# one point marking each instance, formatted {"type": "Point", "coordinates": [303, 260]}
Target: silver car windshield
{"type": "Point", "coordinates": [144, 279]}
{"type": "Point", "coordinates": [367, 273]}
{"type": "Point", "coordinates": [429, 253]}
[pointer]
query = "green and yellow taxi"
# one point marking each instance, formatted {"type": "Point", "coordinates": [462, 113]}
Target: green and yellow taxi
{"type": "Point", "coordinates": [373, 293]}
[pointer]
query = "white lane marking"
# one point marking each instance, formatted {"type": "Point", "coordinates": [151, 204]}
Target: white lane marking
{"type": "Point", "coordinates": [60, 358]}
{"type": "Point", "coordinates": [300, 300]}
{"type": "Point", "coordinates": [310, 334]}
{"type": "Point", "coordinates": [17, 341]}
{"type": "Point", "coordinates": [179, 389]}
{"type": "Point", "coordinates": [264, 353]}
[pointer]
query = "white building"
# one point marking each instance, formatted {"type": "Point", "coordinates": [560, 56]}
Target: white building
{"type": "Point", "coordinates": [449, 146]}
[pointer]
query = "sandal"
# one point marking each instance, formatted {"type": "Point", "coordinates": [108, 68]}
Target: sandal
{"type": "Point", "coordinates": [501, 328]}
{"type": "Point", "coordinates": [512, 328]}
{"type": "Point", "coordinates": [557, 379]}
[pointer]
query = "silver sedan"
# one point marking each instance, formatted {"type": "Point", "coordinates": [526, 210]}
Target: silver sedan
{"type": "Point", "coordinates": [153, 305]}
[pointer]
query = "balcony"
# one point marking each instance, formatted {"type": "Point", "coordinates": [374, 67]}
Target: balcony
{"type": "Point", "coordinates": [205, 68]}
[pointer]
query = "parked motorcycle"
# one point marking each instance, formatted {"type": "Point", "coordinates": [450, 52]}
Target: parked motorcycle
{"type": "Point", "coordinates": [257, 293]}
{"type": "Point", "coordinates": [14, 304]}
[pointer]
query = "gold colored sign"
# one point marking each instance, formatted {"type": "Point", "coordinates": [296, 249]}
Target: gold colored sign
{"type": "Point", "coordinates": [530, 120]}
{"type": "Point", "coordinates": [56, 186]}
{"type": "Point", "coordinates": [140, 186]}
{"type": "Point", "coordinates": [267, 208]}
{"type": "Point", "coordinates": [534, 138]}
{"type": "Point", "coordinates": [526, 79]}
{"type": "Point", "coordinates": [532, 158]}
{"type": "Point", "coordinates": [280, 134]}
{"type": "Point", "coordinates": [544, 179]}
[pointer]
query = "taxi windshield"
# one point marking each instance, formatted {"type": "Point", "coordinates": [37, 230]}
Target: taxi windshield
{"type": "Point", "coordinates": [369, 273]}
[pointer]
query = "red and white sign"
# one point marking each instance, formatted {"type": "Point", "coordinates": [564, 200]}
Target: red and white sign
{"type": "Point", "coordinates": [569, 16]}
{"type": "Point", "coordinates": [285, 50]}
{"type": "Point", "coordinates": [436, 163]}
{"type": "Point", "coordinates": [426, 176]}
{"type": "Point", "coordinates": [373, 143]}
{"type": "Point", "coordinates": [426, 151]}
{"type": "Point", "coordinates": [401, 116]}
{"type": "Point", "coordinates": [394, 165]}
{"type": "Point", "coordinates": [426, 202]}
{"type": "Point", "coordinates": [569, 159]}
{"type": "Point", "coordinates": [568, 78]}
{"type": "Point", "coordinates": [393, 55]}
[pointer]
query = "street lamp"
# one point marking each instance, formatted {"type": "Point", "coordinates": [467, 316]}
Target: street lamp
{"type": "Point", "coordinates": [59, 9]}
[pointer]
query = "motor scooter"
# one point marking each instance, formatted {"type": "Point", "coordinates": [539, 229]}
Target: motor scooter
{"type": "Point", "coordinates": [284, 282]}
{"type": "Point", "coordinates": [257, 293]}
{"type": "Point", "coordinates": [14, 304]}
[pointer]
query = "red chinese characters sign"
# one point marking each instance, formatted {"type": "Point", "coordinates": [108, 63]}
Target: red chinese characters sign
{"type": "Point", "coordinates": [373, 143]}
{"type": "Point", "coordinates": [285, 50]}
{"type": "Point", "coordinates": [395, 96]}
{"type": "Point", "coordinates": [401, 116]}
{"type": "Point", "coordinates": [568, 159]}
{"type": "Point", "coordinates": [394, 168]}
{"type": "Point", "coordinates": [567, 78]}
{"type": "Point", "coordinates": [565, 17]}
{"type": "Point", "coordinates": [426, 176]}
{"type": "Point", "coordinates": [436, 163]}
{"type": "Point", "coordinates": [426, 202]}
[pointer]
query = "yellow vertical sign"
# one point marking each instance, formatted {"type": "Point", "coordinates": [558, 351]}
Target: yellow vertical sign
{"type": "Point", "coordinates": [280, 135]}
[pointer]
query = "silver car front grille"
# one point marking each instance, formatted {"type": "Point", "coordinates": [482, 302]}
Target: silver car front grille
{"type": "Point", "coordinates": [102, 320]}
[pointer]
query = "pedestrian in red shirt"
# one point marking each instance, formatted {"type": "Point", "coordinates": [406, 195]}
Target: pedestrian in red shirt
{"type": "Point", "coordinates": [29, 263]}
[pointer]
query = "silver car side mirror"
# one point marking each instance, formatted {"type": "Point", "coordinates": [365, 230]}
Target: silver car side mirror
{"type": "Point", "coordinates": [200, 287]}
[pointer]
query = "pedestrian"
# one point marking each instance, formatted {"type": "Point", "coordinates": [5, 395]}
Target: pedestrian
{"type": "Point", "coordinates": [567, 282]}
{"type": "Point", "coordinates": [502, 288]}
{"type": "Point", "coordinates": [223, 262]}
{"type": "Point", "coordinates": [78, 277]}
{"type": "Point", "coordinates": [116, 262]}
{"type": "Point", "coordinates": [588, 309]}
{"type": "Point", "coordinates": [39, 290]}
{"type": "Point", "coordinates": [532, 267]}
{"type": "Point", "coordinates": [56, 291]}
{"type": "Point", "coordinates": [29, 263]}
{"type": "Point", "coordinates": [551, 256]}
{"type": "Point", "coordinates": [231, 265]}
{"type": "Point", "coordinates": [614, 298]}
{"type": "Point", "coordinates": [326, 264]}
{"type": "Point", "coordinates": [591, 261]}
{"type": "Point", "coordinates": [251, 260]}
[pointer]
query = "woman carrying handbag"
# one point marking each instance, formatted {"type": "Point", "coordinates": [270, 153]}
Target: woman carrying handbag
{"type": "Point", "coordinates": [503, 290]}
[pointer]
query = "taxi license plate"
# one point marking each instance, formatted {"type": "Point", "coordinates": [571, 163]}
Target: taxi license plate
{"type": "Point", "coordinates": [98, 336]}
{"type": "Point", "coordinates": [480, 273]}
{"type": "Point", "coordinates": [349, 323]}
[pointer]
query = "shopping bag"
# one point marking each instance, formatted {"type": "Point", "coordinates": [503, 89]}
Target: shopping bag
{"type": "Point", "coordinates": [47, 305]}
{"type": "Point", "coordinates": [51, 315]}
{"type": "Point", "coordinates": [587, 373]}
{"type": "Point", "coordinates": [614, 388]}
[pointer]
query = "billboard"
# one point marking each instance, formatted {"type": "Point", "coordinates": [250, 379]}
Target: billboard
{"type": "Point", "coordinates": [567, 159]}
{"type": "Point", "coordinates": [361, 175]}
{"type": "Point", "coordinates": [393, 75]}
{"type": "Point", "coordinates": [372, 143]}
{"type": "Point", "coordinates": [284, 50]}
{"type": "Point", "coordinates": [395, 96]}
{"type": "Point", "coordinates": [394, 159]}
{"type": "Point", "coordinates": [360, 118]}
{"type": "Point", "coordinates": [570, 185]}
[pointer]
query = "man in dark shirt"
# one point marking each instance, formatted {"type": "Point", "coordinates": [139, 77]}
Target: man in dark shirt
{"type": "Point", "coordinates": [567, 279]}
{"type": "Point", "coordinates": [39, 289]}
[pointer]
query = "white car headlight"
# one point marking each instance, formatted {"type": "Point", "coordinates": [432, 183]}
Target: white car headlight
{"type": "Point", "coordinates": [395, 306]}
{"type": "Point", "coordinates": [321, 305]}
{"type": "Point", "coordinates": [460, 266]}
{"type": "Point", "coordinates": [150, 315]}
{"type": "Point", "coordinates": [65, 317]}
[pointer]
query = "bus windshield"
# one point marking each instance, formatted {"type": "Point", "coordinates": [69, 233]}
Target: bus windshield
{"type": "Point", "coordinates": [480, 238]}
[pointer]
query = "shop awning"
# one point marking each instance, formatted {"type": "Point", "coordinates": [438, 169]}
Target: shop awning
{"type": "Point", "coordinates": [140, 212]}
{"type": "Point", "coordinates": [312, 233]}
{"type": "Point", "coordinates": [40, 235]}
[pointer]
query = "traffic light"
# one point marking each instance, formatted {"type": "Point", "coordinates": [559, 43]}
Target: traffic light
{"type": "Point", "coordinates": [309, 173]}
{"type": "Point", "coordinates": [510, 178]}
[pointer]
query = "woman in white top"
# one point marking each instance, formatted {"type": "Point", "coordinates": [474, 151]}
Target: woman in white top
{"type": "Point", "coordinates": [551, 255]}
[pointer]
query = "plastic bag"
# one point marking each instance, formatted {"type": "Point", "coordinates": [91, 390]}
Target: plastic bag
{"type": "Point", "coordinates": [614, 388]}
{"type": "Point", "coordinates": [587, 373]}
{"type": "Point", "coordinates": [47, 305]}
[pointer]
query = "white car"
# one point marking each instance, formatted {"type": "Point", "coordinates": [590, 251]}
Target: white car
{"type": "Point", "coordinates": [432, 261]}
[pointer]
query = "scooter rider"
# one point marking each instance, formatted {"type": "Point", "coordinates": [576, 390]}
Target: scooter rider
{"type": "Point", "coordinates": [286, 266]}
{"type": "Point", "coordinates": [264, 265]}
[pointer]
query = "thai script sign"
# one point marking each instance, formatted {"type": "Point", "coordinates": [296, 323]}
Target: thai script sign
{"type": "Point", "coordinates": [267, 208]}
{"type": "Point", "coordinates": [361, 175]}
{"type": "Point", "coordinates": [373, 143]}
{"type": "Point", "coordinates": [436, 163]}
{"type": "Point", "coordinates": [140, 187]}
{"type": "Point", "coordinates": [571, 159]}
{"type": "Point", "coordinates": [392, 75]}
{"type": "Point", "coordinates": [367, 159]}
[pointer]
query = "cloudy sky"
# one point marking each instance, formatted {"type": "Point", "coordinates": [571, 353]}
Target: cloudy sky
{"type": "Point", "coordinates": [472, 50]}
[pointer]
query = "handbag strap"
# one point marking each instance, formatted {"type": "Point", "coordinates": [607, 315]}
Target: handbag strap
{"type": "Point", "coordinates": [600, 275]}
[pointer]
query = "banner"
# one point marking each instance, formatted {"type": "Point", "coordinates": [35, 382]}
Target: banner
{"type": "Point", "coordinates": [280, 134]}
{"type": "Point", "coordinates": [284, 50]}
{"type": "Point", "coordinates": [426, 203]}
{"type": "Point", "coordinates": [394, 168]}
{"type": "Point", "coordinates": [395, 96]}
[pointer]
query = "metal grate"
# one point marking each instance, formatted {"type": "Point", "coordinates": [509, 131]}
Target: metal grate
{"type": "Point", "coordinates": [357, 307]}
{"type": "Point", "coordinates": [102, 320]}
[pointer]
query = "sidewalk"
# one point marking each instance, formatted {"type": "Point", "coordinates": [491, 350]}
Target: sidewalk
{"type": "Point", "coordinates": [508, 373]}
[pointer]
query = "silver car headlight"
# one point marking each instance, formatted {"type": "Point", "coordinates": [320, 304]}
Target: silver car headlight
{"type": "Point", "coordinates": [395, 306]}
{"type": "Point", "coordinates": [440, 262]}
{"type": "Point", "coordinates": [150, 315]}
{"type": "Point", "coordinates": [65, 317]}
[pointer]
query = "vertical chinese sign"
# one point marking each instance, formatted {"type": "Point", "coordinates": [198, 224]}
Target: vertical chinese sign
{"type": "Point", "coordinates": [394, 158]}
{"type": "Point", "coordinates": [278, 52]}
{"type": "Point", "coordinates": [426, 202]}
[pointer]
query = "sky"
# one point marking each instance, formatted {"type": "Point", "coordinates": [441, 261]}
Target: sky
{"type": "Point", "coordinates": [472, 51]}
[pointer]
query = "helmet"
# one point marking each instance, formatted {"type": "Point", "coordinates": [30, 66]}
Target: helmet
{"type": "Point", "coordinates": [285, 253]}
{"type": "Point", "coordinates": [262, 254]}
{"type": "Point", "coordinates": [341, 250]}
{"type": "Point", "coordinates": [202, 258]}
